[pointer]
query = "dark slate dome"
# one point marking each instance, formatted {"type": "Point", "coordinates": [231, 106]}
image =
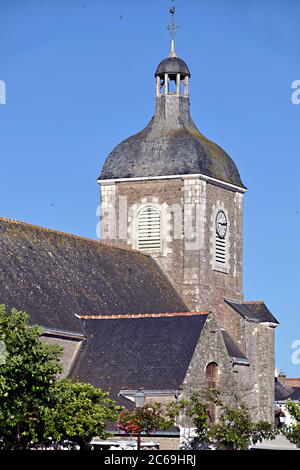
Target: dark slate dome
{"type": "Point", "coordinates": [172, 66]}
{"type": "Point", "coordinates": [170, 144]}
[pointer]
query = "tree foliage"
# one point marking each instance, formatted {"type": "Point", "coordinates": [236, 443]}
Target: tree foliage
{"type": "Point", "coordinates": [196, 408]}
{"type": "Point", "coordinates": [147, 419]}
{"type": "Point", "coordinates": [234, 430]}
{"type": "Point", "coordinates": [292, 432]}
{"type": "Point", "coordinates": [26, 379]}
{"type": "Point", "coordinates": [80, 413]}
{"type": "Point", "coordinates": [34, 405]}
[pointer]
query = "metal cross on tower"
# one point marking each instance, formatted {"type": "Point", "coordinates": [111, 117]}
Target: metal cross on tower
{"type": "Point", "coordinates": [172, 27]}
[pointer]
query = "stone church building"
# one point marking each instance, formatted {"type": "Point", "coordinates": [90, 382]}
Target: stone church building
{"type": "Point", "coordinates": [158, 303]}
{"type": "Point", "coordinates": [179, 197]}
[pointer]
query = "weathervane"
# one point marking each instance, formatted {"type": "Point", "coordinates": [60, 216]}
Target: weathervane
{"type": "Point", "coordinates": [172, 27]}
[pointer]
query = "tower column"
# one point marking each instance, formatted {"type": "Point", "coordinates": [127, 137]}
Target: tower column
{"type": "Point", "coordinates": [178, 84]}
{"type": "Point", "coordinates": [186, 86]}
{"type": "Point", "coordinates": [166, 83]}
{"type": "Point", "coordinates": [157, 86]}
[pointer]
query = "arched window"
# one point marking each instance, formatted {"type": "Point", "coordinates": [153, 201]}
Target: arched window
{"type": "Point", "coordinates": [211, 375]}
{"type": "Point", "coordinates": [211, 381]}
{"type": "Point", "coordinates": [149, 229]}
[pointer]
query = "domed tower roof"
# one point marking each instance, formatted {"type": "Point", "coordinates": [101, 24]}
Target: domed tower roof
{"type": "Point", "coordinates": [172, 65]}
{"type": "Point", "coordinates": [170, 144]}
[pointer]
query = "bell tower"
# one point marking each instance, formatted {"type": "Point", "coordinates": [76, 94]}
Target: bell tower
{"type": "Point", "coordinates": [173, 193]}
{"type": "Point", "coordinates": [178, 75]}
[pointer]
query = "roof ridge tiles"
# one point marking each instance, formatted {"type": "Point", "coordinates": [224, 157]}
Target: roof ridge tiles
{"type": "Point", "coordinates": [72, 235]}
{"type": "Point", "coordinates": [141, 315]}
{"type": "Point", "coordinates": [252, 302]}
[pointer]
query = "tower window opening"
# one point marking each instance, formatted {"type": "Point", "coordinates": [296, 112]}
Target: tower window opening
{"type": "Point", "coordinates": [211, 382]}
{"type": "Point", "coordinates": [149, 229]}
{"type": "Point", "coordinates": [172, 85]}
{"type": "Point", "coordinates": [211, 375]}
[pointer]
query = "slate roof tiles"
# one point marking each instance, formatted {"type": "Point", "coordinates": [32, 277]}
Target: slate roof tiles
{"type": "Point", "coordinates": [127, 353]}
{"type": "Point", "coordinates": [55, 276]}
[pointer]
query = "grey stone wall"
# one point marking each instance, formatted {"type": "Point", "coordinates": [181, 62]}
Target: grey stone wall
{"type": "Point", "coordinates": [211, 348]}
{"type": "Point", "coordinates": [187, 260]}
{"type": "Point", "coordinates": [165, 443]}
{"type": "Point", "coordinates": [163, 192]}
{"type": "Point", "coordinates": [253, 384]}
{"type": "Point", "coordinates": [260, 351]}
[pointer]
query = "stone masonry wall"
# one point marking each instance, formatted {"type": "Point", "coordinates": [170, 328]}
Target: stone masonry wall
{"type": "Point", "coordinates": [186, 257]}
{"type": "Point", "coordinates": [165, 193]}
{"type": "Point", "coordinates": [253, 384]}
{"type": "Point", "coordinates": [260, 347]}
{"type": "Point", "coordinates": [210, 348]}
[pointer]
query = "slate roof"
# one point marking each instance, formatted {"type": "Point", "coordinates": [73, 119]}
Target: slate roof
{"type": "Point", "coordinates": [283, 393]}
{"type": "Point", "coordinates": [53, 276]}
{"type": "Point", "coordinates": [129, 353]}
{"type": "Point", "coordinates": [255, 311]}
{"type": "Point", "coordinates": [295, 394]}
{"type": "Point", "coordinates": [233, 349]}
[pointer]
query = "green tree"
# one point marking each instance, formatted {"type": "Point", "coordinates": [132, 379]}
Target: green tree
{"type": "Point", "coordinates": [36, 407]}
{"type": "Point", "coordinates": [26, 379]}
{"type": "Point", "coordinates": [196, 408]}
{"type": "Point", "coordinates": [292, 432]}
{"type": "Point", "coordinates": [147, 419]}
{"type": "Point", "coordinates": [235, 429]}
{"type": "Point", "coordinates": [81, 412]}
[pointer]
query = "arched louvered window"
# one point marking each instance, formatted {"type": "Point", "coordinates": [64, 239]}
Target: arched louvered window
{"type": "Point", "coordinates": [149, 229]}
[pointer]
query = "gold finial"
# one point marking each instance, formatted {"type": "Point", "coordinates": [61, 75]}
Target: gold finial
{"type": "Point", "coordinates": [172, 27]}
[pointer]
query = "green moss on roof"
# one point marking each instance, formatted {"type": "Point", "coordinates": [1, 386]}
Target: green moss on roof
{"type": "Point", "coordinates": [54, 276]}
{"type": "Point", "coordinates": [170, 144]}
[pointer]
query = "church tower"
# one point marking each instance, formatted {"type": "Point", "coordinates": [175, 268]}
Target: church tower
{"type": "Point", "coordinates": [176, 195]}
{"type": "Point", "coordinates": [170, 191]}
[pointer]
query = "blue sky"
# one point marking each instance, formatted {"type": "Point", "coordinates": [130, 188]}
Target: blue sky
{"type": "Point", "coordinates": [80, 78]}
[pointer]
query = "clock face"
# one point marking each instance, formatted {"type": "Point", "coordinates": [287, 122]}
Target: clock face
{"type": "Point", "coordinates": [221, 224]}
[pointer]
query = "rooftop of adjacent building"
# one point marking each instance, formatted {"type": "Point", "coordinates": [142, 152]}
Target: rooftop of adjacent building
{"type": "Point", "coordinates": [287, 389]}
{"type": "Point", "coordinates": [54, 275]}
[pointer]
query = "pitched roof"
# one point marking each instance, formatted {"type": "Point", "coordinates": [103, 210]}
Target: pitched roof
{"type": "Point", "coordinates": [54, 275]}
{"type": "Point", "coordinates": [295, 394]}
{"type": "Point", "coordinates": [292, 381]}
{"type": "Point", "coordinates": [233, 349]}
{"type": "Point", "coordinates": [129, 353]}
{"type": "Point", "coordinates": [282, 392]}
{"type": "Point", "coordinates": [255, 311]}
